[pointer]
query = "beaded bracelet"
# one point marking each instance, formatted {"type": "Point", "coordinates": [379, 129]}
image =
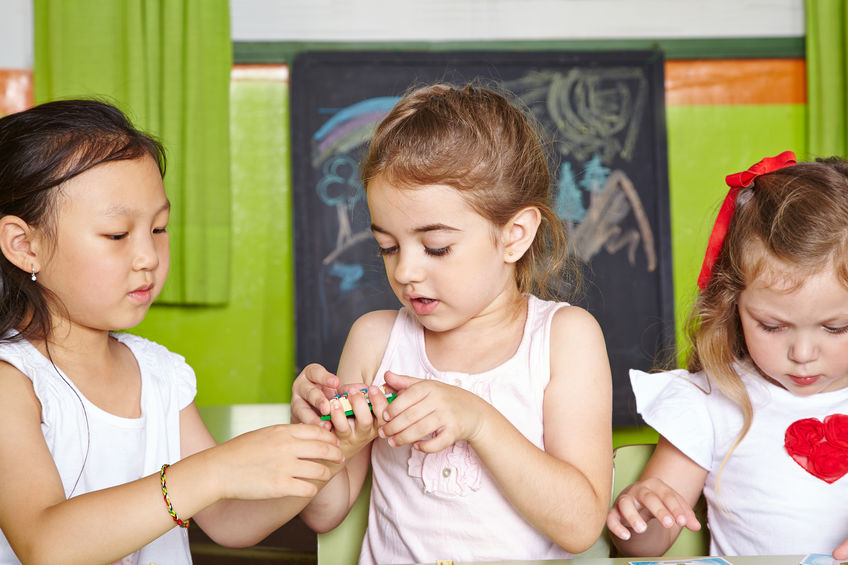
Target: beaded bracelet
{"type": "Point", "coordinates": [181, 523]}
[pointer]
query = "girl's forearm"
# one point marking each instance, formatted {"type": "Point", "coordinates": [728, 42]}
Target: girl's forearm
{"type": "Point", "coordinates": [329, 507]}
{"type": "Point", "coordinates": [241, 523]}
{"type": "Point", "coordinates": [551, 494]}
{"type": "Point", "coordinates": [121, 519]}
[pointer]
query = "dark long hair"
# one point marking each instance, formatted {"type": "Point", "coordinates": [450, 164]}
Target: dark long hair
{"type": "Point", "coordinates": [40, 149]}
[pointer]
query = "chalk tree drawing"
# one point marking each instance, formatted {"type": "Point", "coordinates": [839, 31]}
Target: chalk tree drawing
{"type": "Point", "coordinates": [592, 116]}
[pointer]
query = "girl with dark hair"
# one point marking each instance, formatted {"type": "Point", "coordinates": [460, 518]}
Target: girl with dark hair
{"type": "Point", "coordinates": [103, 454]}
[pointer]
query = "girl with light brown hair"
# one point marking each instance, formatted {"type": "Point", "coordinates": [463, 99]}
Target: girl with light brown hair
{"type": "Point", "coordinates": [759, 422]}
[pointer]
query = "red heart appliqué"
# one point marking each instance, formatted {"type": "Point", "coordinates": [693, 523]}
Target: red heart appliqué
{"type": "Point", "coordinates": [821, 448]}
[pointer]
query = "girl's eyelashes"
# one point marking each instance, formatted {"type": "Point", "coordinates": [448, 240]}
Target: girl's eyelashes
{"type": "Point", "coordinates": [829, 329]}
{"type": "Point", "coordinates": [383, 251]}
{"type": "Point", "coordinates": [769, 328]}
{"type": "Point", "coordinates": [122, 235]}
{"type": "Point", "coordinates": [438, 252]}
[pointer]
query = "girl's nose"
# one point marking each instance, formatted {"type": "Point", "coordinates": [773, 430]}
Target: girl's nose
{"type": "Point", "coordinates": [147, 255]}
{"type": "Point", "coordinates": [407, 269]}
{"type": "Point", "coordinates": [803, 350]}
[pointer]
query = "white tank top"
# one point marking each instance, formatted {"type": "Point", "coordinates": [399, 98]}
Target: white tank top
{"type": "Point", "coordinates": [446, 505]}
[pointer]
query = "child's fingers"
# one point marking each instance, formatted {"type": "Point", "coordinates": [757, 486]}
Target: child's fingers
{"type": "Point", "coordinates": [681, 512]}
{"type": "Point", "coordinates": [303, 412]}
{"type": "Point", "coordinates": [400, 382]}
{"type": "Point", "coordinates": [315, 384]}
{"type": "Point", "coordinates": [442, 440]}
{"type": "Point", "coordinates": [307, 395]}
{"type": "Point", "coordinates": [409, 407]}
{"type": "Point", "coordinates": [309, 470]}
{"type": "Point", "coordinates": [379, 403]}
{"type": "Point", "coordinates": [655, 505]}
{"type": "Point", "coordinates": [364, 417]}
{"type": "Point", "coordinates": [615, 526]}
{"type": "Point", "coordinates": [841, 552]}
{"type": "Point", "coordinates": [629, 515]}
{"type": "Point", "coordinates": [339, 419]}
{"type": "Point", "coordinates": [411, 426]}
{"type": "Point", "coordinates": [309, 432]}
{"type": "Point", "coordinates": [318, 450]}
{"type": "Point", "coordinates": [318, 375]}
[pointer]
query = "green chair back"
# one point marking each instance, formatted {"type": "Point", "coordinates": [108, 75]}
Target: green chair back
{"type": "Point", "coordinates": [341, 545]}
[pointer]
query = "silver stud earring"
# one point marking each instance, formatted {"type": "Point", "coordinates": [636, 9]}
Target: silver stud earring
{"type": "Point", "coordinates": [33, 277]}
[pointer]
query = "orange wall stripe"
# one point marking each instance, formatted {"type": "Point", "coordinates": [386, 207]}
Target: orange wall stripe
{"type": "Point", "coordinates": [705, 82]}
{"type": "Point", "coordinates": [687, 82]}
{"type": "Point", "coordinates": [15, 90]}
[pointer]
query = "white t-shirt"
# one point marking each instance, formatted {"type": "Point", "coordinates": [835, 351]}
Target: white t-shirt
{"type": "Point", "coordinates": [93, 449]}
{"type": "Point", "coordinates": [766, 502]}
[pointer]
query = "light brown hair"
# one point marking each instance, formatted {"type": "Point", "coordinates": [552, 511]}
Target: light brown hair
{"type": "Point", "coordinates": [797, 215]}
{"type": "Point", "coordinates": [478, 141]}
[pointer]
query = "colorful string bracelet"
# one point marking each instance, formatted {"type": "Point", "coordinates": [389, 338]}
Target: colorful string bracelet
{"type": "Point", "coordinates": [181, 523]}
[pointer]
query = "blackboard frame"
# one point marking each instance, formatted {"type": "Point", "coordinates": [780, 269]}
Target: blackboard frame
{"type": "Point", "coordinates": [327, 85]}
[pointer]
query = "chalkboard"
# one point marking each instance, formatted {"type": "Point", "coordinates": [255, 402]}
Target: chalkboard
{"type": "Point", "coordinates": [604, 114]}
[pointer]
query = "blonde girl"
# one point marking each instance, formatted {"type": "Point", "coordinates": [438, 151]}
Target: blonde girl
{"type": "Point", "coordinates": [759, 422]}
{"type": "Point", "coordinates": [498, 445]}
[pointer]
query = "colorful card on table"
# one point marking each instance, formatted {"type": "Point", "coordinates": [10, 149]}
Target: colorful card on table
{"type": "Point", "coordinates": [821, 559]}
{"type": "Point", "coordinates": [692, 561]}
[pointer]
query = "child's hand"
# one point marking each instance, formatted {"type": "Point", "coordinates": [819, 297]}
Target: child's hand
{"type": "Point", "coordinates": [357, 431]}
{"type": "Point", "coordinates": [841, 552]}
{"type": "Point", "coordinates": [426, 407]}
{"type": "Point", "coordinates": [278, 461]}
{"type": "Point", "coordinates": [311, 392]}
{"type": "Point", "coordinates": [646, 499]}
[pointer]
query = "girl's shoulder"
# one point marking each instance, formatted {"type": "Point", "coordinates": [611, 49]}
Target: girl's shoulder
{"type": "Point", "coordinates": [160, 363]}
{"type": "Point", "coordinates": [569, 322]}
{"type": "Point", "coordinates": [683, 408]}
{"type": "Point", "coordinates": [143, 346]}
{"type": "Point", "coordinates": [376, 321]}
{"type": "Point", "coordinates": [657, 386]}
{"type": "Point", "coordinates": [367, 341]}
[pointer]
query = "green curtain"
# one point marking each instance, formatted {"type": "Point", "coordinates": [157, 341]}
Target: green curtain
{"type": "Point", "coordinates": [167, 64]}
{"type": "Point", "coordinates": [827, 68]}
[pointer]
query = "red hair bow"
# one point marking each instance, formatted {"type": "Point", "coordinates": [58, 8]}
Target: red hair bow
{"type": "Point", "coordinates": [736, 182]}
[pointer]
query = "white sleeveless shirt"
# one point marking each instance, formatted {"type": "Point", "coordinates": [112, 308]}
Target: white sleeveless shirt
{"type": "Point", "coordinates": [446, 505]}
{"type": "Point", "coordinates": [94, 449]}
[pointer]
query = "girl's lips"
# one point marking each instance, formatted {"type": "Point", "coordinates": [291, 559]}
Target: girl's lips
{"type": "Point", "coordinates": [804, 381]}
{"type": "Point", "coordinates": [141, 295]}
{"type": "Point", "coordinates": [423, 306]}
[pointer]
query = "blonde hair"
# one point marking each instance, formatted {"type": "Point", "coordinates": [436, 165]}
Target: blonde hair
{"type": "Point", "coordinates": [477, 141]}
{"type": "Point", "coordinates": [798, 216]}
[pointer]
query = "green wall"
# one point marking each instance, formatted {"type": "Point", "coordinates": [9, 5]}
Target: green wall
{"type": "Point", "coordinates": [244, 352]}
{"type": "Point", "coordinates": [706, 143]}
